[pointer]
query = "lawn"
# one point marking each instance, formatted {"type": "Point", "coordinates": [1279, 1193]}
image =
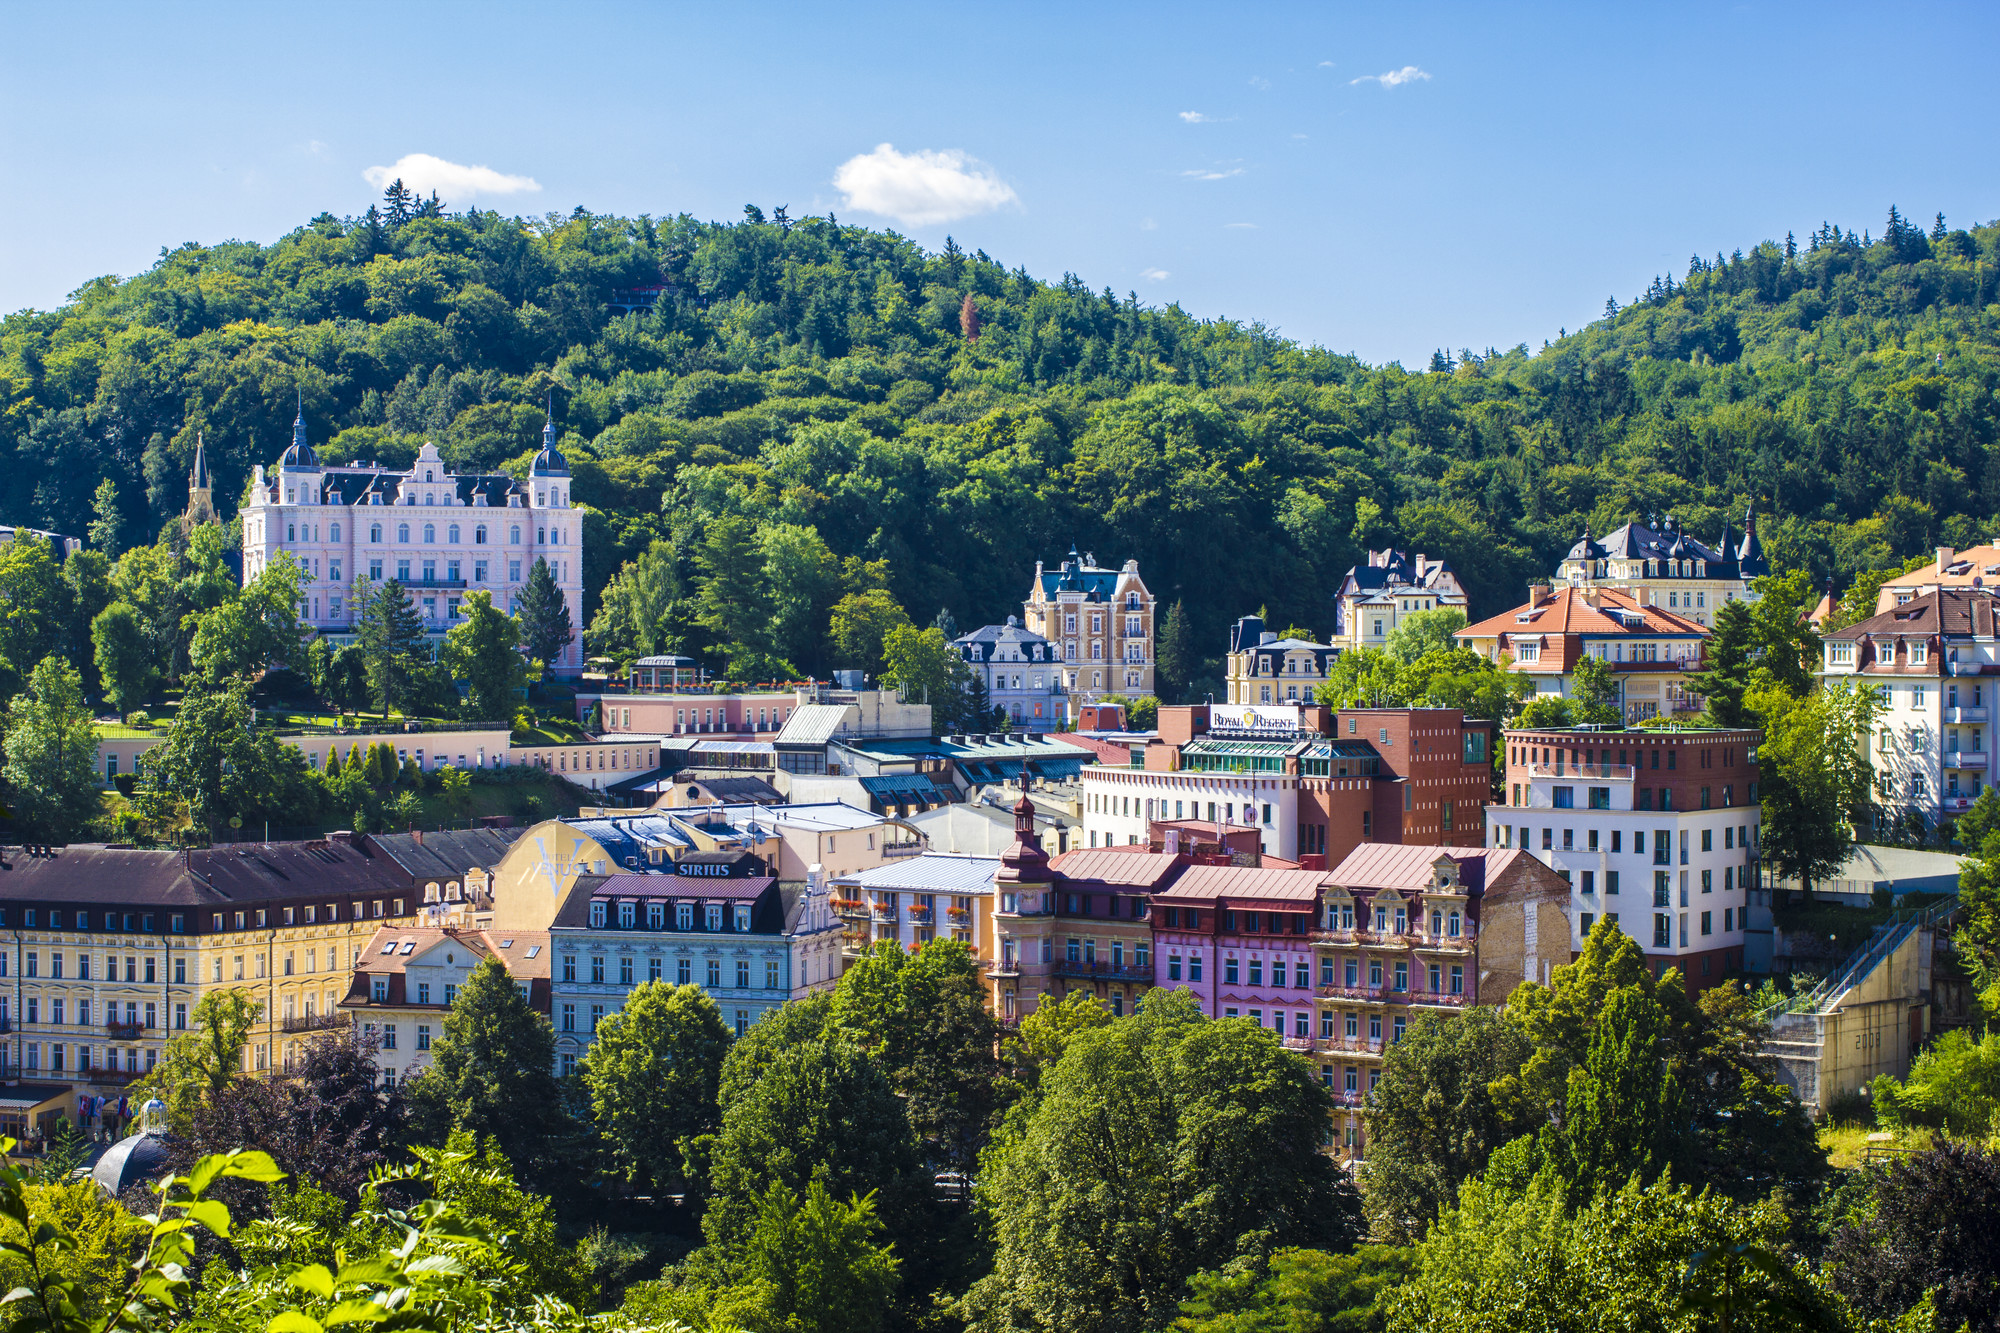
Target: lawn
{"type": "Point", "coordinates": [1847, 1146]}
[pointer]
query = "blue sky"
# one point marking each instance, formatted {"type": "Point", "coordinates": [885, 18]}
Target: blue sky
{"type": "Point", "coordinates": [1245, 160]}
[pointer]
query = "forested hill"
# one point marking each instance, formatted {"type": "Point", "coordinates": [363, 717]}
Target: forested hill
{"type": "Point", "coordinates": [823, 407]}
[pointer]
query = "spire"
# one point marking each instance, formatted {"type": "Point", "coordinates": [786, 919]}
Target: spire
{"type": "Point", "coordinates": [299, 424]}
{"type": "Point", "coordinates": [198, 478]}
{"type": "Point", "coordinates": [548, 419]}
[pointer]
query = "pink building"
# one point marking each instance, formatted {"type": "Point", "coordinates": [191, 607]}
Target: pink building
{"type": "Point", "coordinates": [1240, 938]}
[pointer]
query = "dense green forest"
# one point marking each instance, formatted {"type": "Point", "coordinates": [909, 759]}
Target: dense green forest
{"type": "Point", "coordinates": [812, 410]}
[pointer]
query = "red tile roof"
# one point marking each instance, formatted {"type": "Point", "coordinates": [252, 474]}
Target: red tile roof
{"type": "Point", "coordinates": [1107, 752]}
{"type": "Point", "coordinates": [1246, 886]}
{"type": "Point", "coordinates": [1562, 617]}
{"type": "Point", "coordinates": [1132, 865]}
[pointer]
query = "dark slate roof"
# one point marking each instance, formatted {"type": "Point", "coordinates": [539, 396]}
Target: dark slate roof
{"type": "Point", "coordinates": [446, 854]}
{"type": "Point", "coordinates": [1396, 567]}
{"type": "Point", "coordinates": [1077, 575]}
{"type": "Point", "coordinates": [1031, 646]}
{"type": "Point", "coordinates": [1585, 549]}
{"type": "Point", "coordinates": [89, 874]}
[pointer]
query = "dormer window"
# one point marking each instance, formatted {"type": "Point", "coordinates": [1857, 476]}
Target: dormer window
{"type": "Point", "coordinates": [597, 916]}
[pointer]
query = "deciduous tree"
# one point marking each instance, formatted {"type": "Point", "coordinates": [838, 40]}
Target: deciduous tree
{"type": "Point", "coordinates": [51, 767]}
{"type": "Point", "coordinates": [654, 1073]}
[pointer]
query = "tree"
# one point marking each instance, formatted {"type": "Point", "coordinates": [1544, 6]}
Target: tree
{"type": "Point", "coordinates": [327, 1115]}
{"type": "Point", "coordinates": [390, 636]}
{"type": "Point", "coordinates": [1512, 1256]}
{"type": "Point", "coordinates": [860, 627]}
{"type": "Point", "coordinates": [1422, 632]}
{"type": "Point", "coordinates": [812, 1265]}
{"type": "Point", "coordinates": [203, 1064]}
{"type": "Point", "coordinates": [1598, 694]}
{"type": "Point", "coordinates": [1954, 1086]}
{"type": "Point", "coordinates": [244, 634]}
{"type": "Point", "coordinates": [1625, 1117]}
{"type": "Point", "coordinates": [33, 607]}
{"type": "Point", "coordinates": [1934, 1227]}
{"type": "Point", "coordinates": [1791, 646]}
{"type": "Point", "coordinates": [654, 1073]}
{"type": "Point", "coordinates": [1977, 938]}
{"type": "Point", "coordinates": [213, 767]}
{"type": "Point", "coordinates": [819, 1108]}
{"type": "Point", "coordinates": [1299, 1291]}
{"type": "Point", "coordinates": [1434, 1119]}
{"type": "Point", "coordinates": [1165, 1144]}
{"type": "Point", "coordinates": [51, 767]}
{"type": "Point", "coordinates": [1818, 782]}
{"type": "Point", "coordinates": [924, 1016]}
{"type": "Point", "coordinates": [483, 650]}
{"type": "Point", "coordinates": [732, 604]}
{"type": "Point", "coordinates": [347, 687]}
{"type": "Point", "coordinates": [1726, 669]}
{"type": "Point", "coordinates": [923, 666]}
{"type": "Point", "coordinates": [544, 615]}
{"type": "Point", "coordinates": [631, 619]}
{"type": "Point", "coordinates": [492, 1075]}
{"type": "Point", "coordinates": [106, 521]}
{"type": "Point", "coordinates": [1175, 661]}
{"type": "Point", "coordinates": [95, 1228]}
{"type": "Point", "coordinates": [801, 580]}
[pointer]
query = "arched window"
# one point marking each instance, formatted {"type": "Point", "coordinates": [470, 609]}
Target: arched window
{"type": "Point", "coordinates": [430, 533]}
{"type": "Point", "coordinates": [336, 532]}
{"type": "Point", "coordinates": [429, 475]}
{"type": "Point", "coordinates": [541, 536]}
{"type": "Point", "coordinates": [514, 534]}
{"type": "Point", "coordinates": [403, 532]}
{"type": "Point", "coordinates": [479, 535]}
{"type": "Point", "coordinates": [375, 533]}
{"type": "Point", "coordinates": [451, 534]}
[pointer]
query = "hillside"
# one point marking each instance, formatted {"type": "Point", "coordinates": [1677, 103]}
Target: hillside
{"type": "Point", "coordinates": [817, 383]}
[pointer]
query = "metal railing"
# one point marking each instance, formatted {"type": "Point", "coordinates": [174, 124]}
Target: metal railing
{"type": "Point", "coordinates": [1884, 940]}
{"type": "Point", "coordinates": [1609, 772]}
{"type": "Point", "coordinates": [1103, 969]}
{"type": "Point", "coordinates": [315, 1023]}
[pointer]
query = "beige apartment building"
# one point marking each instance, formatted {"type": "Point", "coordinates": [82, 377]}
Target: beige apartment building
{"type": "Point", "coordinates": [1101, 623]}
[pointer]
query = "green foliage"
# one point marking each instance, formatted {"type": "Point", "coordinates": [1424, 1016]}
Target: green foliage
{"type": "Point", "coordinates": [1447, 677]}
{"type": "Point", "coordinates": [1422, 632]}
{"type": "Point", "coordinates": [1954, 1085]}
{"type": "Point", "coordinates": [213, 767]}
{"type": "Point", "coordinates": [491, 1076]}
{"type": "Point", "coordinates": [811, 1265]}
{"type": "Point", "coordinates": [1434, 1119]}
{"type": "Point", "coordinates": [389, 637]}
{"type": "Point", "coordinates": [483, 650]}
{"type": "Point", "coordinates": [1927, 1242]}
{"type": "Point", "coordinates": [653, 1073]}
{"type": "Point", "coordinates": [1298, 1291]}
{"type": "Point", "coordinates": [1726, 671]}
{"type": "Point", "coordinates": [1818, 783]}
{"type": "Point", "coordinates": [860, 626]}
{"type": "Point", "coordinates": [205, 1061]}
{"type": "Point", "coordinates": [51, 769]}
{"type": "Point", "coordinates": [1624, 1118]}
{"type": "Point", "coordinates": [1509, 1258]}
{"type": "Point", "coordinates": [1164, 1144]}
{"type": "Point", "coordinates": [124, 658]}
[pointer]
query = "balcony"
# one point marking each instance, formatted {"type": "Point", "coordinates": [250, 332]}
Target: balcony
{"type": "Point", "coordinates": [882, 914]}
{"type": "Point", "coordinates": [1346, 1098]}
{"type": "Point", "coordinates": [1977, 713]}
{"type": "Point", "coordinates": [1433, 999]}
{"type": "Point", "coordinates": [432, 583]}
{"type": "Point", "coordinates": [1101, 970]}
{"type": "Point", "coordinates": [1357, 1045]}
{"type": "Point", "coordinates": [1446, 943]}
{"type": "Point", "coordinates": [122, 1030]}
{"type": "Point", "coordinates": [1300, 1043]}
{"type": "Point", "coordinates": [920, 915]}
{"type": "Point", "coordinates": [1002, 967]}
{"type": "Point", "coordinates": [958, 916]}
{"type": "Point", "coordinates": [315, 1023]}
{"type": "Point", "coordinates": [850, 909]}
{"type": "Point", "coordinates": [1377, 994]}
{"type": "Point", "coordinates": [1965, 759]}
{"type": "Point", "coordinates": [1580, 772]}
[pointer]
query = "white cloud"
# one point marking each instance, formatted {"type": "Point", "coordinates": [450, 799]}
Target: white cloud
{"type": "Point", "coordinates": [1200, 175]}
{"type": "Point", "coordinates": [921, 188]}
{"type": "Point", "coordinates": [1260, 83]}
{"type": "Point", "coordinates": [1154, 274]}
{"type": "Point", "coordinates": [1407, 74]}
{"type": "Point", "coordinates": [1193, 117]}
{"type": "Point", "coordinates": [1326, 64]}
{"type": "Point", "coordinates": [455, 183]}
{"type": "Point", "coordinates": [1240, 226]}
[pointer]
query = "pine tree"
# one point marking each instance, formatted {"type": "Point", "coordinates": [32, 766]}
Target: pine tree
{"type": "Point", "coordinates": [104, 526]}
{"type": "Point", "coordinates": [398, 198]}
{"type": "Point", "coordinates": [544, 615]}
{"type": "Point", "coordinates": [945, 623]}
{"type": "Point", "coordinates": [356, 759]}
{"type": "Point", "coordinates": [1937, 228]}
{"type": "Point", "coordinates": [1791, 248]}
{"type": "Point", "coordinates": [332, 762]}
{"type": "Point", "coordinates": [1626, 1111]}
{"type": "Point", "coordinates": [1726, 671]}
{"type": "Point", "coordinates": [390, 635]}
{"type": "Point", "coordinates": [1174, 658]}
{"type": "Point", "coordinates": [1611, 307]}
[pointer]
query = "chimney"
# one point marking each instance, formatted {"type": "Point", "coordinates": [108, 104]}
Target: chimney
{"type": "Point", "coordinates": [1537, 593]}
{"type": "Point", "coordinates": [1420, 564]}
{"type": "Point", "coordinates": [418, 834]}
{"type": "Point", "coordinates": [1943, 558]}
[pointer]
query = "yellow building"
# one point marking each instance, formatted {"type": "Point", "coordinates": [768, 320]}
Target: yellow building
{"type": "Point", "coordinates": [1100, 622]}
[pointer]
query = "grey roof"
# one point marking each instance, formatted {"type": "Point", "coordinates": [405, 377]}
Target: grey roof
{"type": "Point", "coordinates": [812, 724]}
{"type": "Point", "coordinates": [450, 852]}
{"type": "Point", "coordinates": [930, 872]}
{"type": "Point", "coordinates": [1008, 643]}
{"type": "Point", "coordinates": [129, 1161]}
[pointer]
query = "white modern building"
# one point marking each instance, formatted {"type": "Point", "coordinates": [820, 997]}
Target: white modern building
{"type": "Point", "coordinates": [439, 533]}
{"type": "Point", "coordinates": [1657, 829]}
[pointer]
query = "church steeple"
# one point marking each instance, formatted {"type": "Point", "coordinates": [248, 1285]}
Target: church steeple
{"type": "Point", "coordinates": [201, 488]}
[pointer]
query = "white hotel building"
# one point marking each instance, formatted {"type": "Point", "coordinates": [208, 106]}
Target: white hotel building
{"type": "Point", "coordinates": [440, 534]}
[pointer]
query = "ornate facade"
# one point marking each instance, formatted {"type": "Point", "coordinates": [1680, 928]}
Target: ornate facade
{"type": "Point", "coordinates": [1101, 621]}
{"type": "Point", "coordinates": [439, 533]}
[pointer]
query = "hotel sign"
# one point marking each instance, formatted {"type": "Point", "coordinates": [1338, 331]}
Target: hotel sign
{"type": "Point", "coordinates": [1265, 721]}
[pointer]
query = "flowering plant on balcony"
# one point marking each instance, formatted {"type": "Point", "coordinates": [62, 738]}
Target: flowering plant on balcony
{"type": "Point", "coordinates": [920, 913]}
{"type": "Point", "coordinates": [848, 904]}
{"type": "Point", "coordinates": [957, 914]}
